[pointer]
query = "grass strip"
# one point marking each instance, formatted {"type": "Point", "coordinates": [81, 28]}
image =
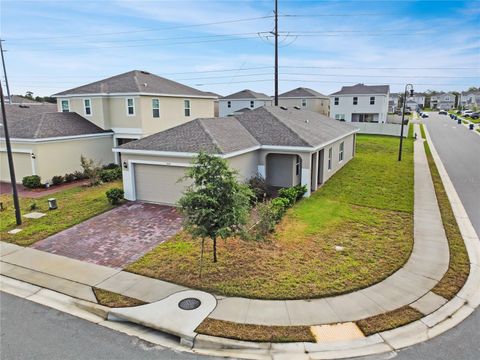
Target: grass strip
{"type": "Point", "coordinates": [410, 130]}
{"type": "Point", "coordinates": [390, 320]}
{"type": "Point", "coordinates": [459, 267]}
{"type": "Point", "coordinates": [114, 300]}
{"type": "Point", "coordinates": [258, 333]}
{"type": "Point", "coordinates": [422, 131]}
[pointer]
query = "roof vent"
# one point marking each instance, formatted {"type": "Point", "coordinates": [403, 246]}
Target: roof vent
{"type": "Point", "coordinates": [307, 121]}
{"type": "Point", "coordinates": [297, 107]}
{"type": "Point", "coordinates": [24, 106]}
{"type": "Point", "coordinates": [145, 84]}
{"type": "Point", "coordinates": [145, 72]}
{"type": "Point", "coordinates": [283, 108]}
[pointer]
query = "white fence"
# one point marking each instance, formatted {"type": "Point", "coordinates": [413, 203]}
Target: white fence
{"type": "Point", "coordinates": [381, 129]}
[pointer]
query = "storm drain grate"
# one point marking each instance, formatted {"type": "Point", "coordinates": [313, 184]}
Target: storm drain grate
{"type": "Point", "coordinates": [189, 304]}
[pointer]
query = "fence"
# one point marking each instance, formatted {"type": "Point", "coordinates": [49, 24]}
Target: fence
{"type": "Point", "coordinates": [381, 129]}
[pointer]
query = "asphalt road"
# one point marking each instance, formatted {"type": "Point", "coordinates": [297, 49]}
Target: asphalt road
{"type": "Point", "coordinates": [32, 331]}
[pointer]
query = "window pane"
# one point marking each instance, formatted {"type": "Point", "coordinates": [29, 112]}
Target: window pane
{"type": "Point", "coordinates": [155, 103]}
{"type": "Point", "coordinates": [65, 106]}
{"type": "Point", "coordinates": [130, 102]}
{"type": "Point", "coordinates": [156, 113]}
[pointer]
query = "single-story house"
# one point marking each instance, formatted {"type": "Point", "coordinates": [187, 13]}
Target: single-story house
{"type": "Point", "coordinates": [48, 143]}
{"type": "Point", "coordinates": [286, 146]}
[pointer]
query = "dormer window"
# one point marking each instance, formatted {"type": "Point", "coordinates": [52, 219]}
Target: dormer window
{"type": "Point", "coordinates": [87, 107]}
{"type": "Point", "coordinates": [65, 105]}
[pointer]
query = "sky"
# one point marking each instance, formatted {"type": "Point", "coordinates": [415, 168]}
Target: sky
{"type": "Point", "coordinates": [225, 46]}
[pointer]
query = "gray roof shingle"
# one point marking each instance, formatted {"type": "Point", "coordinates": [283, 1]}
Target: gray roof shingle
{"type": "Point", "coordinates": [262, 126]}
{"type": "Point", "coordinates": [363, 89]}
{"type": "Point", "coordinates": [136, 81]}
{"type": "Point", "coordinates": [301, 92]}
{"type": "Point", "coordinates": [41, 121]}
{"type": "Point", "coordinates": [247, 94]}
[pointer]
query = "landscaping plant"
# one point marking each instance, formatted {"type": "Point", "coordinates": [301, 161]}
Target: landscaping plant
{"type": "Point", "coordinates": [57, 180]}
{"type": "Point", "coordinates": [32, 181]}
{"type": "Point", "coordinates": [216, 204]}
{"type": "Point", "coordinates": [114, 195]}
{"type": "Point", "coordinates": [91, 170]}
{"type": "Point", "coordinates": [108, 175]}
{"type": "Point", "coordinates": [259, 186]}
{"type": "Point", "coordinates": [69, 177]}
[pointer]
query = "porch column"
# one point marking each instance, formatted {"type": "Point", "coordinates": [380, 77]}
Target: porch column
{"type": "Point", "coordinates": [306, 172]}
{"type": "Point", "coordinates": [314, 171]}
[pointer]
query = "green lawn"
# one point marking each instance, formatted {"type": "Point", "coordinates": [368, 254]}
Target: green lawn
{"type": "Point", "coordinates": [367, 208]}
{"type": "Point", "coordinates": [74, 206]}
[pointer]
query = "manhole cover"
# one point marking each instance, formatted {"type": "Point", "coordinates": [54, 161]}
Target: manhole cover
{"type": "Point", "coordinates": [189, 304]}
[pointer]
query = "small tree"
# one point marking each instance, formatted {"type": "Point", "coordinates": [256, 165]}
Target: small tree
{"type": "Point", "coordinates": [216, 204]}
{"type": "Point", "coordinates": [91, 170]}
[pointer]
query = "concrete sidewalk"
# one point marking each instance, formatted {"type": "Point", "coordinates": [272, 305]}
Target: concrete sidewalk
{"type": "Point", "coordinates": [410, 285]}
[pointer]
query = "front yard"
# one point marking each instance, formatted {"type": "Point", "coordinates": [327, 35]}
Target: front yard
{"type": "Point", "coordinates": [74, 206]}
{"type": "Point", "coordinates": [353, 232]}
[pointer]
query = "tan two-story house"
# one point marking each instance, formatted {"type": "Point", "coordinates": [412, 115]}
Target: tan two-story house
{"type": "Point", "coordinates": [136, 104]}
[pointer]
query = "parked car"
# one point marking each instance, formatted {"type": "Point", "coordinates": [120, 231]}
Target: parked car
{"type": "Point", "coordinates": [408, 112]}
{"type": "Point", "coordinates": [466, 112]}
{"type": "Point", "coordinates": [443, 112]}
{"type": "Point", "coordinates": [424, 115]}
{"type": "Point", "coordinates": [475, 115]}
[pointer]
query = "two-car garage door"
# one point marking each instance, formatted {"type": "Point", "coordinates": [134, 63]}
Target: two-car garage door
{"type": "Point", "coordinates": [159, 183]}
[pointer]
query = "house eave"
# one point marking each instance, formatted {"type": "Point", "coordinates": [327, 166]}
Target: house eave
{"type": "Point", "coordinates": [61, 96]}
{"type": "Point", "coordinates": [57, 138]}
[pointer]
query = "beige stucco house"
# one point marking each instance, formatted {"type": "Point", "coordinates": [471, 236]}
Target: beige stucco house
{"type": "Point", "coordinates": [286, 146]}
{"type": "Point", "coordinates": [136, 104]}
{"type": "Point", "coordinates": [305, 98]}
{"type": "Point", "coordinates": [48, 143]}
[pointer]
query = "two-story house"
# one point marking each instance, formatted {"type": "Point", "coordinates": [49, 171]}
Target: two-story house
{"type": "Point", "coordinates": [305, 98]}
{"type": "Point", "coordinates": [245, 99]}
{"type": "Point", "coordinates": [443, 101]}
{"type": "Point", "coordinates": [360, 103]}
{"type": "Point", "coordinates": [470, 100]}
{"type": "Point", "coordinates": [136, 104]}
{"type": "Point", "coordinates": [393, 103]}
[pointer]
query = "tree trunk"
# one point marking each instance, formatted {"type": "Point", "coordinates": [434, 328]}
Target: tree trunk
{"type": "Point", "coordinates": [201, 258]}
{"type": "Point", "coordinates": [214, 249]}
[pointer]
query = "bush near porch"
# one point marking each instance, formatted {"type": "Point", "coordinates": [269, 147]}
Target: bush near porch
{"type": "Point", "coordinates": [74, 206]}
{"type": "Point", "coordinates": [366, 208]}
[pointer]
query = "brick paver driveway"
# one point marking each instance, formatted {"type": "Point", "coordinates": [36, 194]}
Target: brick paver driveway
{"type": "Point", "coordinates": [117, 237]}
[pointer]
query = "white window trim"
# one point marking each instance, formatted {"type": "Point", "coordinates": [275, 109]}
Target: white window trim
{"type": "Point", "coordinates": [329, 159]}
{"type": "Point", "coordinates": [336, 101]}
{"type": "Point", "coordinates": [370, 100]}
{"type": "Point", "coordinates": [85, 107]}
{"type": "Point", "coordinates": [159, 115]}
{"type": "Point", "coordinates": [126, 105]}
{"type": "Point", "coordinates": [341, 152]}
{"type": "Point", "coordinates": [353, 100]}
{"type": "Point", "coordinates": [61, 106]}
{"type": "Point", "coordinates": [185, 108]}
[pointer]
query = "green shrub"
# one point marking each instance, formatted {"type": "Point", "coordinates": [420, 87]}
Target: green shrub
{"type": "Point", "coordinates": [69, 177]}
{"type": "Point", "coordinates": [110, 166]}
{"type": "Point", "coordinates": [266, 220]}
{"type": "Point", "coordinates": [301, 190]}
{"type": "Point", "coordinates": [114, 195]}
{"type": "Point", "coordinates": [259, 187]}
{"type": "Point", "coordinates": [289, 194]}
{"type": "Point", "coordinates": [57, 180]}
{"type": "Point", "coordinates": [79, 175]}
{"type": "Point", "coordinates": [32, 181]}
{"type": "Point", "coordinates": [33, 206]}
{"type": "Point", "coordinates": [109, 175]}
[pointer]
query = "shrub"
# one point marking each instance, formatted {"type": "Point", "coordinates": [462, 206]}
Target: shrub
{"type": "Point", "coordinates": [57, 180]}
{"type": "Point", "coordinates": [267, 219]}
{"type": "Point", "coordinates": [69, 177]}
{"type": "Point", "coordinates": [289, 194]}
{"type": "Point", "coordinates": [91, 170]}
{"type": "Point", "coordinates": [279, 207]}
{"type": "Point", "coordinates": [32, 181]}
{"type": "Point", "coordinates": [259, 187]}
{"type": "Point", "coordinates": [33, 206]}
{"type": "Point", "coordinates": [114, 195]}
{"type": "Point", "coordinates": [110, 166]}
{"type": "Point", "coordinates": [109, 175]}
{"type": "Point", "coordinates": [301, 190]}
{"type": "Point", "coordinates": [79, 175]}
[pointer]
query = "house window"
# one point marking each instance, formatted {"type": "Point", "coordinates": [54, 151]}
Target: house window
{"type": "Point", "coordinates": [229, 104]}
{"type": "Point", "coordinates": [186, 104]}
{"type": "Point", "coordinates": [304, 102]}
{"type": "Point", "coordinates": [155, 108]}
{"type": "Point", "coordinates": [372, 100]}
{"type": "Point", "coordinates": [65, 106]}
{"type": "Point", "coordinates": [87, 106]}
{"type": "Point", "coordinates": [340, 117]}
{"type": "Point", "coordinates": [330, 152]}
{"type": "Point", "coordinates": [447, 98]}
{"type": "Point", "coordinates": [252, 103]}
{"type": "Point", "coordinates": [130, 107]}
{"type": "Point", "coordinates": [336, 100]}
{"type": "Point", "coordinates": [340, 152]}
{"type": "Point", "coordinates": [298, 165]}
{"type": "Point", "coordinates": [355, 100]}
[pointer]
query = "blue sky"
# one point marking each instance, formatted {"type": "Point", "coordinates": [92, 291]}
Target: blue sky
{"type": "Point", "coordinates": [56, 45]}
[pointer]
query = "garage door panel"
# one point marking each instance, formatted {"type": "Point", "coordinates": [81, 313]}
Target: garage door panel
{"type": "Point", "coordinates": [158, 183]}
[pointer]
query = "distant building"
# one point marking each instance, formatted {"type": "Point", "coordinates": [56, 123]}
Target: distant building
{"type": "Point", "coordinates": [442, 101]}
{"type": "Point", "coordinates": [240, 100]}
{"type": "Point", "coordinates": [470, 99]}
{"type": "Point", "coordinates": [393, 103]}
{"type": "Point", "coordinates": [360, 103]}
{"type": "Point", "coordinates": [305, 98]}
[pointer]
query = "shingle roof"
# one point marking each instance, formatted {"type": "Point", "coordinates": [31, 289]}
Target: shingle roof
{"type": "Point", "coordinates": [262, 126]}
{"type": "Point", "coordinates": [41, 121]}
{"type": "Point", "coordinates": [247, 94]}
{"type": "Point", "coordinates": [135, 81]}
{"type": "Point", "coordinates": [363, 89]}
{"type": "Point", "coordinates": [301, 92]}
{"type": "Point", "coordinates": [18, 99]}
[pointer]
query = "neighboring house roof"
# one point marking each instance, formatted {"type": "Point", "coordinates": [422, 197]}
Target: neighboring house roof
{"type": "Point", "coordinates": [361, 89]}
{"type": "Point", "coordinates": [18, 99]}
{"type": "Point", "coordinates": [213, 94]}
{"type": "Point", "coordinates": [41, 121]}
{"type": "Point", "coordinates": [264, 126]}
{"type": "Point", "coordinates": [247, 94]}
{"type": "Point", "coordinates": [135, 81]}
{"type": "Point", "coordinates": [301, 92]}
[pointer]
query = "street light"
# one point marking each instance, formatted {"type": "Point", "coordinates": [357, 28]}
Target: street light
{"type": "Point", "coordinates": [403, 118]}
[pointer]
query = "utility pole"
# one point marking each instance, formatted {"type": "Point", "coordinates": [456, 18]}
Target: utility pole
{"type": "Point", "coordinates": [276, 53]}
{"type": "Point", "coordinates": [5, 72]}
{"type": "Point", "coordinates": [18, 216]}
{"type": "Point", "coordinates": [405, 94]}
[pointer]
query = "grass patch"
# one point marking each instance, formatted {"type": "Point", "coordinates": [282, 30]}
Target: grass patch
{"type": "Point", "coordinates": [422, 131]}
{"type": "Point", "coordinates": [459, 266]}
{"type": "Point", "coordinates": [258, 333]}
{"type": "Point", "coordinates": [390, 320]}
{"type": "Point", "coordinates": [74, 206]}
{"type": "Point", "coordinates": [367, 208]}
{"type": "Point", "coordinates": [114, 300]}
{"type": "Point", "coordinates": [410, 130]}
